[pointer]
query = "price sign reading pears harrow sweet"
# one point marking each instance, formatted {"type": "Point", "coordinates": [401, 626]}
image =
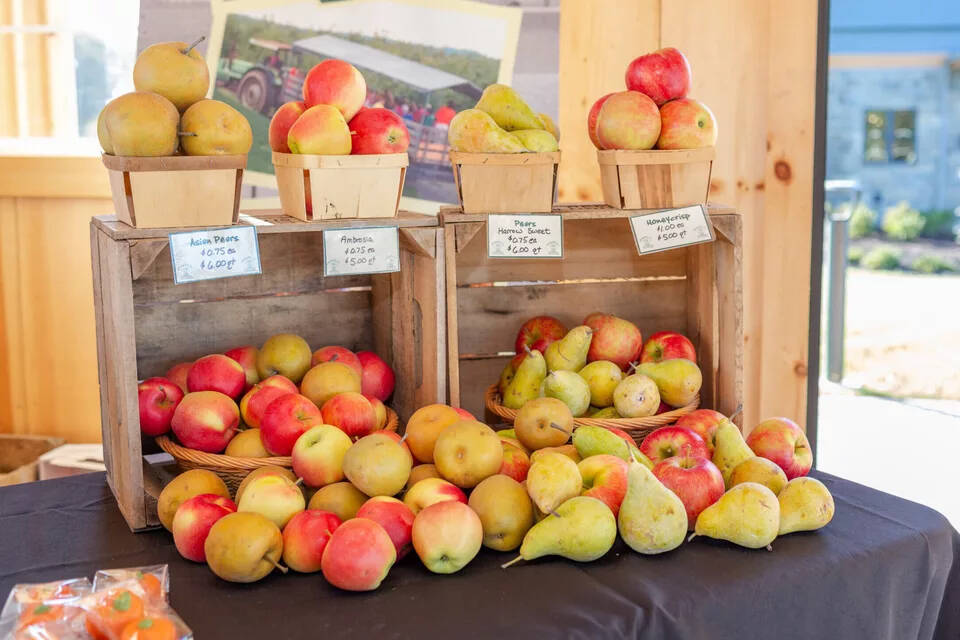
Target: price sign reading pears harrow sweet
{"type": "Point", "coordinates": [361, 250]}
{"type": "Point", "coordinates": [525, 235]}
{"type": "Point", "coordinates": [670, 229]}
{"type": "Point", "coordinates": [214, 253]}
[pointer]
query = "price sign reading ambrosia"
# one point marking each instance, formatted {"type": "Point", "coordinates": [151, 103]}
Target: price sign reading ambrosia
{"type": "Point", "coordinates": [360, 250]}
{"type": "Point", "coordinates": [525, 235]}
{"type": "Point", "coordinates": [214, 253]}
{"type": "Point", "coordinates": [670, 229]}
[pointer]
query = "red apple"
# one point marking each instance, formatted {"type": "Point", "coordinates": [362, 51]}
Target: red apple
{"type": "Point", "coordinates": [696, 481]}
{"type": "Point", "coordinates": [350, 412]}
{"type": "Point", "coordinates": [704, 423]}
{"type": "Point", "coordinates": [177, 374]}
{"type": "Point", "coordinates": [667, 442]}
{"type": "Point", "coordinates": [378, 131]}
{"type": "Point", "coordinates": [537, 334]}
{"type": "Point", "coordinates": [280, 125]}
{"type": "Point", "coordinates": [463, 413]}
{"type": "Point", "coordinates": [628, 120]}
{"type": "Point", "coordinates": [377, 378]}
{"type": "Point", "coordinates": [336, 83]}
{"type": "Point", "coordinates": [431, 491]}
{"type": "Point", "coordinates": [782, 441]}
{"type": "Point", "coordinates": [663, 75]}
{"type": "Point", "coordinates": [337, 354]}
{"type": "Point", "coordinates": [247, 357]}
{"type": "Point", "coordinates": [447, 536]}
{"type": "Point", "coordinates": [284, 420]}
{"type": "Point", "coordinates": [667, 345]}
{"type": "Point", "coordinates": [255, 401]}
{"type": "Point", "coordinates": [192, 522]}
{"type": "Point", "coordinates": [205, 420]}
{"type": "Point", "coordinates": [614, 339]}
{"type": "Point", "coordinates": [158, 399]}
{"type": "Point", "coordinates": [592, 120]}
{"type": "Point", "coordinates": [605, 478]}
{"type": "Point", "coordinates": [516, 462]}
{"type": "Point", "coordinates": [686, 124]}
{"type": "Point", "coordinates": [379, 409]}
{"type": "Point", "coordinates": [395, 517]}
{"type": "Point", "coordinates": [321, 130]}
{"type": "Point", "coordinates": [663, 408]}
{"type": "Point", "coordinates": [358, 556]}
{"type": "Point", "coordinates": [217, 372]}
{"type": "Point", "coordinates": [305, 537]}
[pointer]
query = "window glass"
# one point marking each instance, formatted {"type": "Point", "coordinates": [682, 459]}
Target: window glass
{"type": "Point", "coordinates": [890, 136]}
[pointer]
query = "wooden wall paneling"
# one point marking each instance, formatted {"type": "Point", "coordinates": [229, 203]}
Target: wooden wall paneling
{"type": "Point", "coordinates": [36, 69]}
{"type": "Point", "coordinates": [12, 406]}
{"type": "Point", "coordinates": [8, 79]}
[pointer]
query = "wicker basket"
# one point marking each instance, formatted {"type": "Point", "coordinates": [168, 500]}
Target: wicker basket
{"type": "Point", "coordinates": [230, 468]}
{"type": "Point", "coordinates": [638, 428]}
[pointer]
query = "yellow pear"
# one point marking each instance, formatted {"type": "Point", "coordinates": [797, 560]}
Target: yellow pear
{"type": "Point", "coordinates": [550, 125]}
{"type": "Point", "coordinates": [679, 380]}
{"type": "Point", "coordinates": [652, 518]}
{"type": "Point", "coordinates": [605, 412]}
{"type": "Point", "coordinates": [537, 140]}
{"type": "Point", "coordinates": [473, 131]}
{"type": "Point", "coordinates": [214, 128]}
{"type": "Point", "coordinates": [570, 352]}
{"type": "Point", "coordinates": [805, 505]}
{"type": "Point", "coordinates": [378, 464]}
{"type": "Point", "coordinates": [729, 449]}
{"type": "Point", "coordinates": [553, 479]}
{"type": "Point", "coordinates": [508, 109]}
{"type": "Point", "coordinates": [569, 388]}
{"type": "Point", "coordinates": [602, 377]}
{"type": "Point", "coordinates": [247, 444]}
{"type": "Point", "coordinates": [185, 486]}
{"type": "Point", "coordinates": [139, 124]}
{"type": "Point", "coordinates": [543, 422]}
{"type": "Point", "coordinates": [761, 471]}
{"type": "Point", "coordinates": [565, 450]}
{"type": "Point", "coordinates": [505, 511]}
{"type": "Point", "coordinates": [175, 70]}
{"type": "Point", "coordinates": [525, 385]}
{"type": "Point", "coordinates": [747, 515]}
{"type": "Point", "coordinates": [243, 547]}
{"type": "Point", "coordinates": [582, 529]}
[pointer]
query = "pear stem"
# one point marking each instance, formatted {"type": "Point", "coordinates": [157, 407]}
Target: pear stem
{"type": "Point", "coordinates": [769, 547]}
{"type": "Point", "coordinates": [526, 349]}
{"type": "Point", "coordinates": [554, 513]}
{"type": "Point", "coordinates": [298, 482]}
{"type": "Point", "coordinates": [279, 566]}
{"type": "Point", "coordinates": [692, 536]}
{"type": "Point", "coordinates": [512, 562]}
{"type": "Point", "coordinates": [554, 425]}
{"type": "Point", "coordinates": [632, 367]}
{"type": "Point", "coordinates": [196, 42]}
{"type": "Point", "coordinates": [736, 413]}
{"type": "Point", "coordinates": [404, 437]}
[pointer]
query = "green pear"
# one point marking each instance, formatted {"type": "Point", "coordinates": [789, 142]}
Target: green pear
{"type": "Point", "coordinates": [550, 126]}
{"type": "Point", "coordinates": [636, 396]}
{"type": "Point", "coordinates": [506, 376]}
{"type": "Point", "coordinates": [569, 388]}
{"type": "Point", "coordinates": [591, 440]}
{"type": "Point", "coordinates": [805, 505]}
{"type": "Point", "coordinates": [507, 108]}
{"type": "Point", "coordinates": [605, 412]}
{"type": "Point", "coordinates": [537, 140]}
{"type": "Point", "coordinates": [570, 352]}
{"type": "Point", "coordinates": [640, 457]}
{"type": "Point", "coordinates": [553, 479]}
{"type": "Point", "coordinates": [603, 377]}
{"type": "Point", "coordinates": [729, 449]}
{"type": "Point", "coordinates": [582, 529]}
{"type": "Point", "coordinates": [679, 380]}
{"type": "Point", "coordinates": [474, 131]}
{"type": "Point", "coordinates": [652, 518]}
{"type": "Point", "coordinates": [747, 515]}
{"type": "Point", "coordinates": [525, 385]}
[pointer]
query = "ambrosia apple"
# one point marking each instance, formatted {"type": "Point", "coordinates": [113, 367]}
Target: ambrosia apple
{"type": "Point", "coordinates": [431, 491]}
{"type": "Point", "coordinates": [358, 555]}
{"type": "Point", "coordinates": [285, 420]}
{"type": "Point", "coordinates": [338, 354]}
{"type": "Point", "coordinates": [177, 374]}
{"type": "Point", "coordinates": [377, 378]}
{"type": "Point", "coordinates": [696, 481]}
{"type": "Point", "coordinates": [447, 536]}
{"type": "Point", "coordinates": [667, 345]}
{"type": "Point", "coordinates": [158, 399]}
{"type": "Point", "coordinates": [305, 537]}
{"type": "Point", "coordinates": [537, 334]}
{"type": "Point", "coordinates": [247, 357]}
{"type": "Point", "coordinates": [350, 412]}
{"type": "Point", "coordinates": [782, 441]}
{"type": "Point", "coordinates": [280, 125]}
{"type": "Point", "coordinates": [255, 401]}
{"type": "Point", "coordinates": [318, 455]}
{"type": "Point", "coordinates": [686, 124]}
{"type": "Point", "coordinates": [704, 423]}
{"type": "Point", "coordinates": [193, 520]}
{"type": "Point", "coordinates": [378, 131]}
{"type": "Point", "coordinates": [205, 420]}
{"type": "Point", "coordinates": [336, 83]}
{"type": "Point", "coordinates": [217, 372]}
{"type": "Point", "coordinates": [395, 517]}
{"type": "Point", "coordinates": [667, 442]}
{"type": "Point", "coordinates": [321, 130]}
{"type": "Point", "coordinates": [662, 75]}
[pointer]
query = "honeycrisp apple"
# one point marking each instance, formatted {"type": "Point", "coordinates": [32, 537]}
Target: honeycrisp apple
{"type": "Point", "coordinates": [704, 423]}
{"type": "Point", "coordinates": [351, 412]}
{"type": "Point", "coordinates": [205, 420]}
{"type": "Point", "coordinates": [378, 130]}
{"type": "Point", "coordinates": [667, 345]}
{"type": "Point", "coordinates": [394, 516]}
{"type": "Point", "coordinates": [337, 83]}
{"type": "Point", "coordinates": [217, 372]}
{"type": "Point", "coordinates": [318, 455]}
{"type": "Point", "coordinates": [663, 75]}
{"type": "Point", "coordinates": [605, 478]}
{"type": "Point", "coordinates": [686, 124]}
{"type": "Point", "coordinates": [193, 520]}
{"type": "Point", "coordinates": [280, 125]}
{"type": "Point", "coordinates": [667, 442]}
{"type": "Point", "coordinates": [358, 556]}
{"type": "Point", "coordinates": [782, 441]}
{"type": "Point", "coordinates": [255, 401]}
{"type": "Point", "coordinates": [696, 481]}
{"type": "Point", "coordinates": [537, 333]}
{"type": "Point", "coordinates": [628, 120]}
{"type": "Point", "coordinates": [247, 358]}
{"type": "Point", "coordinates": [614, 339]}
{"type": "Point", "coordinates": [286, 419]}
{"type": "Point", "coordinates": [157, 399]}
{"type": "Point", "coordinates": [516, 462]}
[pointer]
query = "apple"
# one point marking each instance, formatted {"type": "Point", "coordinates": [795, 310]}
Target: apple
{"type": "Point", "coordinates": [686, 124]}
{"type": "Point", "coordinates": [351, 412]}
{"type": "Point", "coordinates": [247, 358]}
{"type": "Point", "coordinates": [266, 470]}
{"type": "Point", "coordinates": [430, 491]}
{"type": "Point", "coordinates": [286, 419]}
{"type": "Point", "coordinates": [704, 423]}
{"type": "Point", "coordinates": [217, 372]}
{"type": "Point", "coordinates": [193, 520]}
{"type": "Point", "coordinates": [605, 478]}
{"type": "Point", "coordinates": [247, 444]}
{"type": "Point", "coordinates": [157, 399]}
{"type": "Point", "coordinates": [447, 536]}
{"type": "Point", "coordinates": [378, 130]}
{"type": "Point", "coordinates": [614, 339]}
{"type": "Point", "coordinates": [628, 120]}
{"type": "Point", "coordinates": [667, 345]}
{"type": "Point", "coordinates": [177, 374]}
{"type": "Point", "coordinates": [663, 408]}
{"type": "Point", "coordinates": [280, 125]}
{"type": "Point", "coordinates": [662, 75]}
{"type": "Point", "coordinates": [337, 354]}
{"type": "Point", "coordinates": [205, 420]}
{"type": "Point", "coordinates": [327, 379]}
{"type": "Point", "coordinates": [667, 442]}
{"type": "Point", "coordinates": [421, 472]}
{"type": "Point", "coordinates": [592, 120]}
{"type": "Point", "coordinates": [255, 401]}
{"type": "Point", "coordinates": [274, 497]}
{"type": "Point", "coordinates": [696, 481]}
{"type": "Point", "coordinates": [379, 410]}
{"type": "Point", "coordinates": [537, 333]}
{"type": "Point", "coordinates": [336, 83]}
{"type": "Point", "coordinates": [516, 462]}
{"type": "Point", "coordinates": [424, 427]}
{"type": "Point", "coordinates": [340, 498]}
{"type": "Point", "coordinates": [318, 455]}
{"type": "Point", "coordinates": [782, 441]}
{"type": "Point", "coordinates": [377, 378]}
{"type": "Point", "coordinates": [378, 464]}
{"type": "Point", "coordinates": [464, 414]}
{"type": "Point", "coordinates": [358, 556]}
{"type": "Point", "coordinates": [321, 130]}
{"type": "Point", "coordinates": [286, 354]}
{"type": "Point", "coordinates": [305, 537]}
{"type": "Point", "coordinates": [394, 516]}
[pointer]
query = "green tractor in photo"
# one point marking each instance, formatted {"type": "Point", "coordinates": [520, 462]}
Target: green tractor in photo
{"type": "Point", "coordinates": [265, 84]}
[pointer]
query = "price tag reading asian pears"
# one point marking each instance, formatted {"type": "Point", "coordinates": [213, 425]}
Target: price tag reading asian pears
{"type": "Point", "coordinates": [208, 254]}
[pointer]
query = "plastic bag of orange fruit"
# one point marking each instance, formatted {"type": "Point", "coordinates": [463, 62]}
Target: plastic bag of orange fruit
{"type": "Point", "coordinates": [125, 610]}
{"type": "Point", "coordinates": [49, 610]}
{"type": "Point", "coordinates": [155, 580]}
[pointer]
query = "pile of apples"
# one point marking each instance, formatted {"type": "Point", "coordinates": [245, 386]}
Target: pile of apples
{"type": "Point", "coordinates": [502, 122]}
{"type": "Point", "coordinates": [654, 111]}
{"type": "Point", "coordinates": [168, 111]}
{"type": "Point", "coordinates": [331, 119]}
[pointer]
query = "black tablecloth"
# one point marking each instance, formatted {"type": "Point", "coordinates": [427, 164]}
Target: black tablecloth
{"type": "Point", "coordinates": [884, 568]}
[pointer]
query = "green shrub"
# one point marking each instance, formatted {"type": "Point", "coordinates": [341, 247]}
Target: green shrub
{"type": "Point", "coordinates": [932, 264]}
{"type": "Point", "coordinates": [881, 258]}
{"type": "Point", "coordinates": [862, 221]}
{"type": "Point", "coordinates": [900, 222]}
{"type": "Point", "coordinates": [939, 224]}
{"type": "Point", "coordinates": [855, 255]}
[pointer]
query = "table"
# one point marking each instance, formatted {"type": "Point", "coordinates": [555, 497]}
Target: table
{"type": "Point", "coordinates": [884, 568]}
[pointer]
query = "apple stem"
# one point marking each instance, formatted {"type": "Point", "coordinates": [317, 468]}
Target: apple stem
{"type": "Point", "coordinates": [512, 562]}
{"type": "Point", "coordinates": [279, 566]}
{"type": "Point", "coordinates": [334, 357]}
{"type": "Point", "coordinates": [186, 133]}
{"type": "Point", "coordinates": [632, 367]}
{"type": "Point", "coordinates": [404, 437]}
{"type": "Point", "coordinates": [298, 482]}
{"type": "Point", "coordinates": [526, 349]}
{"type": "Point", "coordinates": [558, 427]}
{"type": "Point", "coordinates": [738, 411]}
{"type": "Point", "coordinates": [190, 48]}
{"type": "Point", "coordinates": [692, 536]}
{"type": "Point", "coordinates": [554, 513]}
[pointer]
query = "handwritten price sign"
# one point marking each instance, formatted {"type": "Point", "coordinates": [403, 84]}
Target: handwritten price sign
{"type": "Point", "coordinates": [360, 250]}
{"type": "Point", "coordinates": [214, 253]}
{"type": "Point", "coordinates": [525, 236]}
{"type": "Point", "coordinates": [670, 229]}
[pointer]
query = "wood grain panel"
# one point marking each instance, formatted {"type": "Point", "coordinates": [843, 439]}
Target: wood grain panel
{"type": "Point", "coordinates": [475, 376]}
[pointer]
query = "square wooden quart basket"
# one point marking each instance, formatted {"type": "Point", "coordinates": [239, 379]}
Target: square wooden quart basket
{"type": "Point", "coordinates": [506, 182]}
{"type": "Point", "coordinates": [176, 191]}
{"type": "Point", "coordinates": [316, 187]}
{"type": "Point", "coordinates": [655, 179]}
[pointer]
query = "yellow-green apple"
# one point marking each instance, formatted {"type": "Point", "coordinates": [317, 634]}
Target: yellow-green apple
{"type": "Point", "coordinates": [696, 481]}
{"type": "Point", "coordinates": [379, 410]}
{"type": "Point", "coordinates": [327, 379]}
{"type": "Point", "coordinates": [318, 455]}
{"type": "Point", "coordinates": [217, 372]}
{"type": "Point", "coordinates": [628, 120]}
{"type": "Point", "coordinates": [214, 128]}
{"type": "Point", "coordinates": [280, 125]}
{"type": "Point", "coordinates": [351, 412]}
{"type": "Point", "coordinates": [185, 486]}
{"type": "Point", "coordinates": [394, 516]}
{"type": "Point", "coordinates": [378, 465]}
{"type": "Point", "coordinates": [667, 345]}
{"type": "Point", "coordinates": [431, 491]}
{"type": "Point", "coordinates": [247, 444]}
{"type": "Point", "coordinates": [243, 547]}
{"type": "Point", "coordinates": [378, 130]}
{"type": "Point", "coordinates": [422, 472]}
{"type": "Point", "coordinates": [466, 452]}
{"type": "Point", "coordinates": [305, 537]}
{"type": "Point", "coordinates": [761, 471]}
{"type": "Point", "coordinates": [505, 511]}
{"type": "Point", "coordinates": [667, 442]}
{"type": "Point", "coordinates": [516, 462]}
{"type": "Point", "coordinates": [266, 470]}
{"type": "Point", "coordinates": [336, 83]}
{"type": "Point", "coordinates": [193, 520]}
{"type": "Point", "coordinates": [614, 339]}
{"type": "Point", "coordinates": [377, 378]}
{"type": "Point", "coordinates": [447, 536]}
{"type": "Point", "coordinates": [358, 556]}
{"type": "Point", "coordinates": [205, 420]}
{"type": "Point", "coordinates": [592, 120]}
{"type": "Point", "coordinates": [784, 442]}
{"type": "Point", "coordinates": [341, 498]}
{"type": "Point", "coordinates": [543, 422]}
{"type": "Point", "coordinates": [424, 427]}
{"type": "Point", "coordinates": [464, 414]}
{"type": "Point", "coordinates": [286, 419]}
{"type": "Point", "coordinates": [536, 334]}
{"type": "Point", "coordinates": [337, 354]}
{"type": "Point", "coordinates": [157, 399]}
{"type": "Point", "coordinates": [704, 423]}
{"type": "Point", "coordinates": [604, 478]}
{"type": "Point", "coordinates": [175, 70]}
{"type": "Point", "coordinates": [253, 403]}
{"type": "Point", "coordinates": [247, 357]}
{"type": "Point", "coordinates": [273, 497]}
{"type": "Point", "coordinates": [321, 130]}
{"type": "Point", "coordinates": [177, 374]}
{"type": "Point", "coordinates": [686, 124]}
{"type": "Point", "coordinates": [139, 123]}
{"type": "Point", "coordinates": [285, 354]}
{"type": "Point", "coordinates": [662, 75]}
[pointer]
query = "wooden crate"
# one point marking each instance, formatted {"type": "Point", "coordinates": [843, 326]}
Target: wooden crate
{"type": "Point", "coordinates": [176, 191]}
{"type": "Point", "coordinates": [146, 323]}
{"type": "Point", "coordinates": [331, 187]}
{"type": "Point", "coordinates": [655, 179]}
{"type": "Point", "coordinates": [695, 290]}
{"type": "Point", "coordinates": [505, 182]}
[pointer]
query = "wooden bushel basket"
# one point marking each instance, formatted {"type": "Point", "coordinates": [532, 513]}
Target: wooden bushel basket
{"type": "Point", "coordinates": [361, 186]}
{"type": "Point", "coordinates": [176, 191]}
{"type": "Point", "coordinates": [655, 179]}
{"type": "Point", "coordinates": [506, 182]}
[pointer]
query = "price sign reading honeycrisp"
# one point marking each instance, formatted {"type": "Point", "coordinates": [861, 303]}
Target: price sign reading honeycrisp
{"type": "Point", "coordinates": [671, 228]}
{"type": "Point", "coordinates": [214, 253]}
{"type": "Point", "coordinates": [355, 251]}
{"type": "Point", "coordinates": [525, 235]}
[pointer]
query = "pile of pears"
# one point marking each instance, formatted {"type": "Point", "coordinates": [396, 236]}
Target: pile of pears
{"type": "Point", "coordinates": [168, 111]}
{"type": "Point", "coordinates": [502, 122]}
